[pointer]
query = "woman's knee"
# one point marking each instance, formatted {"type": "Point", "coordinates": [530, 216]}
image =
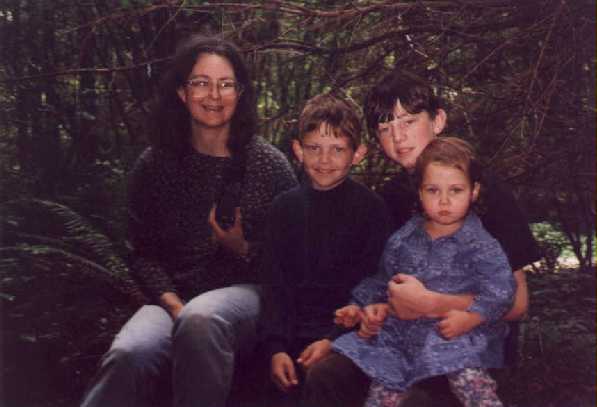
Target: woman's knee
{"type": "Point", "coordinates": [201, 329]}
{"type": "Point", "coordinates": [220, 315]}
{"type": "Point", "coordinates": [135, 360]}
{"type": "Point", "coordinates": [235, 303]}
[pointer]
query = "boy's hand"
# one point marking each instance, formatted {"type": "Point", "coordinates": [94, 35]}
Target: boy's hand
{"type": "Point", "coordinates": [314, 353]}
{"type": "Point", "coordinates": [283, 372]}
{"type": "Point", "coordinates": [232, 239]}
{"type": "Point", "coordinates": [455, 323]}
{"type": "Point", "coordinates": [348, 316]}
{"type": "Point", "coordinates": [372, 320]}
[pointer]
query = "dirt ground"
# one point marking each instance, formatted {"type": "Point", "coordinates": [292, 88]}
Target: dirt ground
{"type": "Point", "coordinates": [557, 343]}
{"type": "Point", "coordinates": [556, 352]}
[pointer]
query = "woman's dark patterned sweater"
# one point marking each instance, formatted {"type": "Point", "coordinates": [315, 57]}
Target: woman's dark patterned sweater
{"type": "Point", "coordinates": [170, 197]}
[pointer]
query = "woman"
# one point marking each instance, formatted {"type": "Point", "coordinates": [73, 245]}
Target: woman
{"type": "Point", "coordinates": [198, 198]}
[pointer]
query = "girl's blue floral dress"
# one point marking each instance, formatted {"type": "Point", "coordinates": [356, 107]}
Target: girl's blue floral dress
{"type": "Point", "coordinates": [404, 352]}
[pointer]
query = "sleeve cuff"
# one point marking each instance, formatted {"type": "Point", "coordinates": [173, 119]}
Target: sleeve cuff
{"type": "Point", "coordinates": [336, 332]}
{"type": "Point", "coordinates": [484, 312]}
{"type": "Point", "coordinates": [273, 347]}
{"type": "Point", "coordinates": [253, 252]}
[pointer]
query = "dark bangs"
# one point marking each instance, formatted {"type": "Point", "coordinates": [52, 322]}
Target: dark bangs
{"type": "Point", "coordinates": [415, 96]}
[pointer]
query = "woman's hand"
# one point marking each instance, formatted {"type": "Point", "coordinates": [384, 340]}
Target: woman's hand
{"type": "Point", "coordinates": [172, 303]}
{"type": "Point", "coordinates": [348, 316]}
{"type": "Point", "coordinates": [373, 318]}
{"type": "Point", "coordinates": [232, 239]}
{"type": "Point", "coordinates": [283, 371]}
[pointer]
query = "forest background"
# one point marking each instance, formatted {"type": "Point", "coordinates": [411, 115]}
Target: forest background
{"type": "Point", "coordinates": [76, 81]}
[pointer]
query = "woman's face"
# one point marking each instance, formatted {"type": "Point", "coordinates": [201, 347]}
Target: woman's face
{"type": "Point", "coordinates": [211, 92]}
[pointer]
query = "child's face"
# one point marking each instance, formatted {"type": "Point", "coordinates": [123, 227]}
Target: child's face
{"type": "Point", "coordinates": [406, 136]}
{"type": "Point", "coordinates": [446, 195]}
{"type": "Point", "coordinates": [326, 158]}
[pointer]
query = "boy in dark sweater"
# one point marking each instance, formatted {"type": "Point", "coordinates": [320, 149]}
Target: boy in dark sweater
{"type": "Point", "coordinates": [323, 237]}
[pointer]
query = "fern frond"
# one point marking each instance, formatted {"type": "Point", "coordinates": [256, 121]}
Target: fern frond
{"type": "Point", "coordinates": [51, 260]}
{"type": "Point", "coordinates": [61, 234]}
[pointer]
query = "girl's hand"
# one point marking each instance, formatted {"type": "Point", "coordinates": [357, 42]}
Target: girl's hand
{"type": "Point", "coordinates": [348, 316]}
{"type": "Point", "coordinates": [373, 318]}
{"type": "Point", "coordinates": [455, 323]}
{"type": "Point", "coordinates": [232, 239]}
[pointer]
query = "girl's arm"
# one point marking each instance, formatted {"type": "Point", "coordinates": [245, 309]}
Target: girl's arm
{"type": "Point", "coordinates": [495, 281]}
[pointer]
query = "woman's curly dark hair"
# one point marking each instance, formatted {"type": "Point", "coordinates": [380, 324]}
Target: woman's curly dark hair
{"type": "Point", "coordinates": [170, 123]}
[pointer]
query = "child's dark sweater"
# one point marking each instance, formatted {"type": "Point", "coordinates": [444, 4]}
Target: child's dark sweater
{"type": "Point", "coordinates": [319, 245]}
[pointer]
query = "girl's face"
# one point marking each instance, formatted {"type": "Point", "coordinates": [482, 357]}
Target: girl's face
{"type": "Point", "coordinates": [405, 136]}
{"type": "Point", "coordinates": [211, 92]}
{"type": "Point", "coordinates": [446, 195]}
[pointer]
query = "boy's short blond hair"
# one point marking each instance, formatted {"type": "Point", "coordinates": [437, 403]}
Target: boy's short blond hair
{"type": "Point", "coordinates": [452, 152]}
{"type": "Point", "coordinates": [336, 113]}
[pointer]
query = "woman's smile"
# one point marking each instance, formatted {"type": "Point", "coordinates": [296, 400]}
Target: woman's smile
{"type": "Point", "coordinates": [209, 109]}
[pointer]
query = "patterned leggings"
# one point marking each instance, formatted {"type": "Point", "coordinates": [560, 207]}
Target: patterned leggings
{"type": "Point", "coordinates": [473, 387]}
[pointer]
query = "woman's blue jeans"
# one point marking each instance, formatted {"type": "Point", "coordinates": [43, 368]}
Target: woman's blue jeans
{"type": "Point", "coordinates": [197, 350]}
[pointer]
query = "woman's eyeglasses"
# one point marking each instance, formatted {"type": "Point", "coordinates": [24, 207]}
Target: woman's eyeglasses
{"type": "Point", "coordinates": [226, 87]}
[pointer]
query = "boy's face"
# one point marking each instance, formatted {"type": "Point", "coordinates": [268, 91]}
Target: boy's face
{"type": "Point", "coordinates": [326, 158]}
{"type": "Point", "coordinates": [406, 136]}
{"type": "Point", "coordinates": [446, 195]}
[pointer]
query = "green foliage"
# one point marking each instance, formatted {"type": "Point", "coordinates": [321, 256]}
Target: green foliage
{"type": "Point", "coordinates": [65, 290]}
{"type": "Point", "coordinates": [556, 246]}
{"type": "Point", "coordinates": [48, 236]}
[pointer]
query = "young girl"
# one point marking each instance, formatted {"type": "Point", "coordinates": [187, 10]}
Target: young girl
{"type": "Point", "coordinates": [448, 250]}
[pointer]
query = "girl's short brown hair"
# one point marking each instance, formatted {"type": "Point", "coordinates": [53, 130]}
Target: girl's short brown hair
{"type": "Point", "coordinates": [452, 152]}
